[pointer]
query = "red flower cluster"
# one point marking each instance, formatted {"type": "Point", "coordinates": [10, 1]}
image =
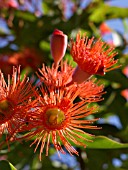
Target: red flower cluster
{"type": "Point", "coordinates": [50, 112]}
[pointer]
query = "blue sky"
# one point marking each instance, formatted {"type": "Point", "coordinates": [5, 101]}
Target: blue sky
{"type": "Point", "coordinates": [118, 3]}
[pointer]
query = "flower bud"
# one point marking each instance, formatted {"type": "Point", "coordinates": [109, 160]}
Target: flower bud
{"type": "Point", "coordinates": [58, 45]}
{"type": "Point", "coordinates": [12, 4]}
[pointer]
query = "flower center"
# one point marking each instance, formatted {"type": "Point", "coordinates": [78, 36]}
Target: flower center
{"type": "Point", "coordinates": [54, 117]}
{"type": "Point", "coordinates": [4, 108]}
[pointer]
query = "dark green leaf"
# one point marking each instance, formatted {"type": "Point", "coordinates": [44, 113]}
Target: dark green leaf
{"type": "Point", "coordinates": [102, 142]}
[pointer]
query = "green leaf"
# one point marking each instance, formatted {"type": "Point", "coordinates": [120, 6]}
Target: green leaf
{"type": "Point", "coordinates": [45, 8]}
{"type": "Point", "coordinates": [118, 77]}
{"type": "Point", "coordinates": [69, 58]}
{"type": "Point", "coordinates": [102, 142]}
{"type": "Point", "coordinates": [98, 14]}
{"type": "Point", "coordinates": [116, 12]}
{"type": "Point", "coordinates": [45, 45]}
{"type": "Point", "coordinates": [26, 16]}
{"type": "Point", "coordinates": [6, 165]}
{"type": "Point", "coordinates": [101, 11]}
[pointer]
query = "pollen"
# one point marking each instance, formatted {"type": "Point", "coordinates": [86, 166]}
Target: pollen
{"type": "Point", "coordinates": [54, 117]}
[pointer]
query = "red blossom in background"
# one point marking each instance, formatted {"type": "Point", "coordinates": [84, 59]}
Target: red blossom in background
{"type": "Point", "coordinates": [28, 57]}
{"type": "Point", "coordinates": [125, 71]}
{"type": "Point", "coordinates": [124, 93]}
{"type": "Point", "coordinates": [104, 29]}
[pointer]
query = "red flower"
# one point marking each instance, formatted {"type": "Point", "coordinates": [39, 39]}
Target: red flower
{"type": "Point", "coordinates": [124, 93]}
{"type": "Point", "coordinates": [15, 97]}
{"type": "Point", "coordinates": [91, 91]}
{"type": "Point", "coordinates": [53, 77]}
{"type": "Point", "coordinates": [58, 118]}
{"type": "Point", "coordinates": [58, 77]}
{"type": "Point", "coordinates": [125, 71]}
{"type": "Point", "coordinates": [93, 58]}
{"type": "Point", "coordinates": [28, 57]}
{"type": "Point", "coordinates": [105, 29]}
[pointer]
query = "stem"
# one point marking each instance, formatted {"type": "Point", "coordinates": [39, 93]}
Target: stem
{"type": "Point", "coordinates": [80, 76]}
{"type": "Point", "coordinates": [81, 161]}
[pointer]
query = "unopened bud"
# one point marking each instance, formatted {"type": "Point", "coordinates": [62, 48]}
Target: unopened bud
{"type": "Point", "coordinates": [58, 45]}
{"type": "Point", "coordinates": [12, 3]}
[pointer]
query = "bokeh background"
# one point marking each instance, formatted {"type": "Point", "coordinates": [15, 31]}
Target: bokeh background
{"type": "Point", "coordinates": [25, 30]}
